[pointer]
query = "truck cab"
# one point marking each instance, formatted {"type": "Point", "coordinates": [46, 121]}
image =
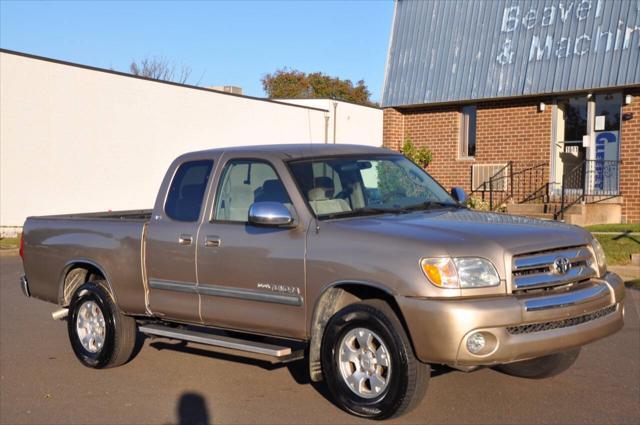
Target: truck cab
{"type": "Point", "coordinates": [224, 266]}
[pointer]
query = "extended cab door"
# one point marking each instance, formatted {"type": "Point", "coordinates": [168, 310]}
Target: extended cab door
{"type": "Point", "coordinates": [250, 277]}
{"type": "Point", "coordinates": [171, 240]}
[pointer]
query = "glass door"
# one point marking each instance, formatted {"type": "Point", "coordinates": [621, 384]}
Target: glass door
{"type": "Point", "coordinates": [605, 155]}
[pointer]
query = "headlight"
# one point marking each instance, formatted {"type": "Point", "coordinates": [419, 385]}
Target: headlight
{"type": "Point", "coordinates": [600, 257]}
{"type": "Point", "coordinates": [465, 272]}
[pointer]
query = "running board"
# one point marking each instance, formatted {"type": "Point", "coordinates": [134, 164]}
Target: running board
{"type": "Point", "coordinates": [271, 352]}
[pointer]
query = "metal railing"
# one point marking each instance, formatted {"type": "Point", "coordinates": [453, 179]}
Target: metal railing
{"type": "Point", "coordinates": [592, 180]}
{"type": "Point", "coordinates": [528, 184]}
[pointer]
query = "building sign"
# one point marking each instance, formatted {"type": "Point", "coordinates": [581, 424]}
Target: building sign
{"type": "Point", "coordinates": [463, 50]}
{"type": "Point", "coordinates": [602, 37]}
{"type": "Point", "coordinates": [606, 156]}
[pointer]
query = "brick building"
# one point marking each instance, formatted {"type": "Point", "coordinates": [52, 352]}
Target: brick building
{"type": "Point", "coordinates": [534, 106]}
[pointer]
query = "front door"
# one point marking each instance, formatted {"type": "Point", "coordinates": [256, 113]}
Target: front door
{"type": "Point", "coordinates": [572, 128]}
{"type": "Point", "coordinates": [251, 277]}
{"type": "Point", "coordinates": [171, 243]}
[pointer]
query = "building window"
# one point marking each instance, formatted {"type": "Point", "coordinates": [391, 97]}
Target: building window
{"type": "Point", "coordinates": [468, 132]}
{"type": "Point", "coordinates": [608, 108]}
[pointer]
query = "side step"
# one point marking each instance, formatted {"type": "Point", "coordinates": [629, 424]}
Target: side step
{"type": "Point", "coordinates": [270, 352]}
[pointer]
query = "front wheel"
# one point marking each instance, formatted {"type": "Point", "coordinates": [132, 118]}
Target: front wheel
{"type": "Point", "coordinates": [541, 367]}
{"type": "Point", "coordinates": [100, 335]}
{"type": "Point", "coordinates": [368, 362]}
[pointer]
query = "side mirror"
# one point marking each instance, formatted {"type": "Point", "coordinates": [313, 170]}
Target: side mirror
{"type": "Point", "coordinates": [270, 214]}
{"type": "Point", "coordinates": [458, 194]}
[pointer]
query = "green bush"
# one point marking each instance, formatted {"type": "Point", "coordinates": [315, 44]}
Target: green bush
{"type": "Point", "coordinates": [421, 156]}
{"type": "Point", "coordinates": [477, 204]}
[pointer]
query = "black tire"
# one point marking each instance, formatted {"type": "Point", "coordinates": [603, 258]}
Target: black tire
{"type": "Point", "coordinates": [541, 367]}
{"type": "Point", "coordinates": [119, 330]}
{"type": "Point", "coordinates": [408, 378]}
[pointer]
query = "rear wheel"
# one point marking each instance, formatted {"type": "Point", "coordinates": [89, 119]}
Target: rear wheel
{"type": "Point", "coordinates": [541, 367]}
{"type": "Point", "coordinates": [368, 362]}
{"type": "Point", "coordinates": [100, 335]}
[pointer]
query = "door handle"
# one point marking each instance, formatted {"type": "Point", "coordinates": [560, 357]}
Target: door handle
{"type": "Point", "coordinates": [185, 239]}
{"type": "Point", "coordinates": [212, 241]}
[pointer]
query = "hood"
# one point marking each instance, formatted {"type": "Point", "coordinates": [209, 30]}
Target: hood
{"type": "Point", "coordinates": [465, 232]}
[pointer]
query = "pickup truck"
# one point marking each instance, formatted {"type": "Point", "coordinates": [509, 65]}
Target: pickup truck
{"type": "Point", "coordinates": [351, 257]}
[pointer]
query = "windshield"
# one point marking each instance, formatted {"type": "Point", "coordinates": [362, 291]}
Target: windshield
{"type": "Point", "coordinates": [351, 186]}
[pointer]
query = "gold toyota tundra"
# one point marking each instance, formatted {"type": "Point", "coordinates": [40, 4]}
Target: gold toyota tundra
{"type": "Point", "coordinates": [351, 257]}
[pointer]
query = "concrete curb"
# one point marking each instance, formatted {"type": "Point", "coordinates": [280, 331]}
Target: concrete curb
{"type": "Point", "coordinates": [9, 251]}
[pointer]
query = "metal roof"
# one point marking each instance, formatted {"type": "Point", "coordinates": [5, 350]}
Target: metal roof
{"type": "Point", "coordinates": [460, 50]}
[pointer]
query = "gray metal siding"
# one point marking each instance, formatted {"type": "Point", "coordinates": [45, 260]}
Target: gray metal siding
{"type": "Point", "coordinates": [456, 50]}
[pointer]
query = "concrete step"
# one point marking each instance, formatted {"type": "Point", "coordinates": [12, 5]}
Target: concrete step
{"type": "Point", "coordinates": [524, 209]}
{"type": "Point", "coordinates": [540, 216]}
{"type": "Point", "coordinates": [606, 211]}
{"type": "Point", "coordinates": [549, 208]}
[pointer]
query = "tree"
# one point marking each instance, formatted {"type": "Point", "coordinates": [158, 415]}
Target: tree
{"type": "Point", "coordinates": [159, 68]}
{"type": "Point", "coordinates": [294, 84]}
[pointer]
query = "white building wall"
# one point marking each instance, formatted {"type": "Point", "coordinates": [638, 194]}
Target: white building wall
{"type": "Point", "coordinates": [80, 140]}
{"type": "Point", "coordinates": [358, 124]}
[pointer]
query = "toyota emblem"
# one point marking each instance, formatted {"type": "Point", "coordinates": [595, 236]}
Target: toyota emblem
{"type": "Point", "coordinates": [561, 265]}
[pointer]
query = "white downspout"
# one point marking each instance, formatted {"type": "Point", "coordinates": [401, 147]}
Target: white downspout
{"type": "Point", "coordinates": [335, 120]}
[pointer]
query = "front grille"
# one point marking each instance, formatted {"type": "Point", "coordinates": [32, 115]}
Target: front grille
{"type": "Point", "coordinates": [558, 324]}
{"type": "Point", "coordinates": [537, 272]}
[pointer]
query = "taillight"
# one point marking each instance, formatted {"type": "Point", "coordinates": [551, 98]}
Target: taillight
{"type": "Point", "coordinates": [22, 245]}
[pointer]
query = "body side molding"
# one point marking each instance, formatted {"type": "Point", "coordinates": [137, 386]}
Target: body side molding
{"type": "Point", "coordinates": [228, 292]}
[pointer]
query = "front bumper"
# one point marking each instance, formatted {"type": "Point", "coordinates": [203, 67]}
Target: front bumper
{"type": "Point", "coordinates": [24, 285]}
{"type": "Point", "coordinates": [516, 327]}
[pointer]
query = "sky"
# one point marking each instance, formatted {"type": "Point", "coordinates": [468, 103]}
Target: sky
{"type": "Point", "coordinates": [223, 42]}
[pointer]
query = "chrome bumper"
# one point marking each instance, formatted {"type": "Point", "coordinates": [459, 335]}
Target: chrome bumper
{"type": "Point", "coordinates": [24, 285]}
{"type": "Point", "coordinates": [516, 327]}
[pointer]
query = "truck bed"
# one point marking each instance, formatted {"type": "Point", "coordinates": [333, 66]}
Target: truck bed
{"type": "Point", "coordinates": [111, 241]}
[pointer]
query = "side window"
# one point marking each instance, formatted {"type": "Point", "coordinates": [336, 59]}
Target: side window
{"type": "Point", "coordinates": [187, 189]}
{"type": "Point", "coordinates": [244, 182]}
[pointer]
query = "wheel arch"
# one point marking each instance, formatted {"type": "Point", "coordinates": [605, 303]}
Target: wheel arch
{"type": "Point", "coordinates": [332, 299]}
{"type": "Point", "coordinates": [79, 271]}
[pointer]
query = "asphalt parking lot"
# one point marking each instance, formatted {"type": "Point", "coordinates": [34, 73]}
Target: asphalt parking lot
{"type": "Point", "coordinates": [41, 382]}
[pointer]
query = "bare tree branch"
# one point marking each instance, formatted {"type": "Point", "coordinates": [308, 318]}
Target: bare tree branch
{"type": "Point", "coordinates": [159, 68]}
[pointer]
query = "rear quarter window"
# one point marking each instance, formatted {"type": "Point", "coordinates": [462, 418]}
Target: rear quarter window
{"type": "Point", "coordinates": [186, 193]}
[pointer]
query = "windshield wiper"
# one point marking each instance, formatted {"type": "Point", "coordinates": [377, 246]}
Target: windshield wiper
{"type": "Point", "coordinates": [399, 210]}
{"type": "Point", "coordinates": [363, 212]}
{"type": "Point", "coordinates": [431, 205]}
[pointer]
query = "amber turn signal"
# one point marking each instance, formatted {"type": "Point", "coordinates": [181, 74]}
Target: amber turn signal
{"type": "Point", "coordinates": [440, 272]}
